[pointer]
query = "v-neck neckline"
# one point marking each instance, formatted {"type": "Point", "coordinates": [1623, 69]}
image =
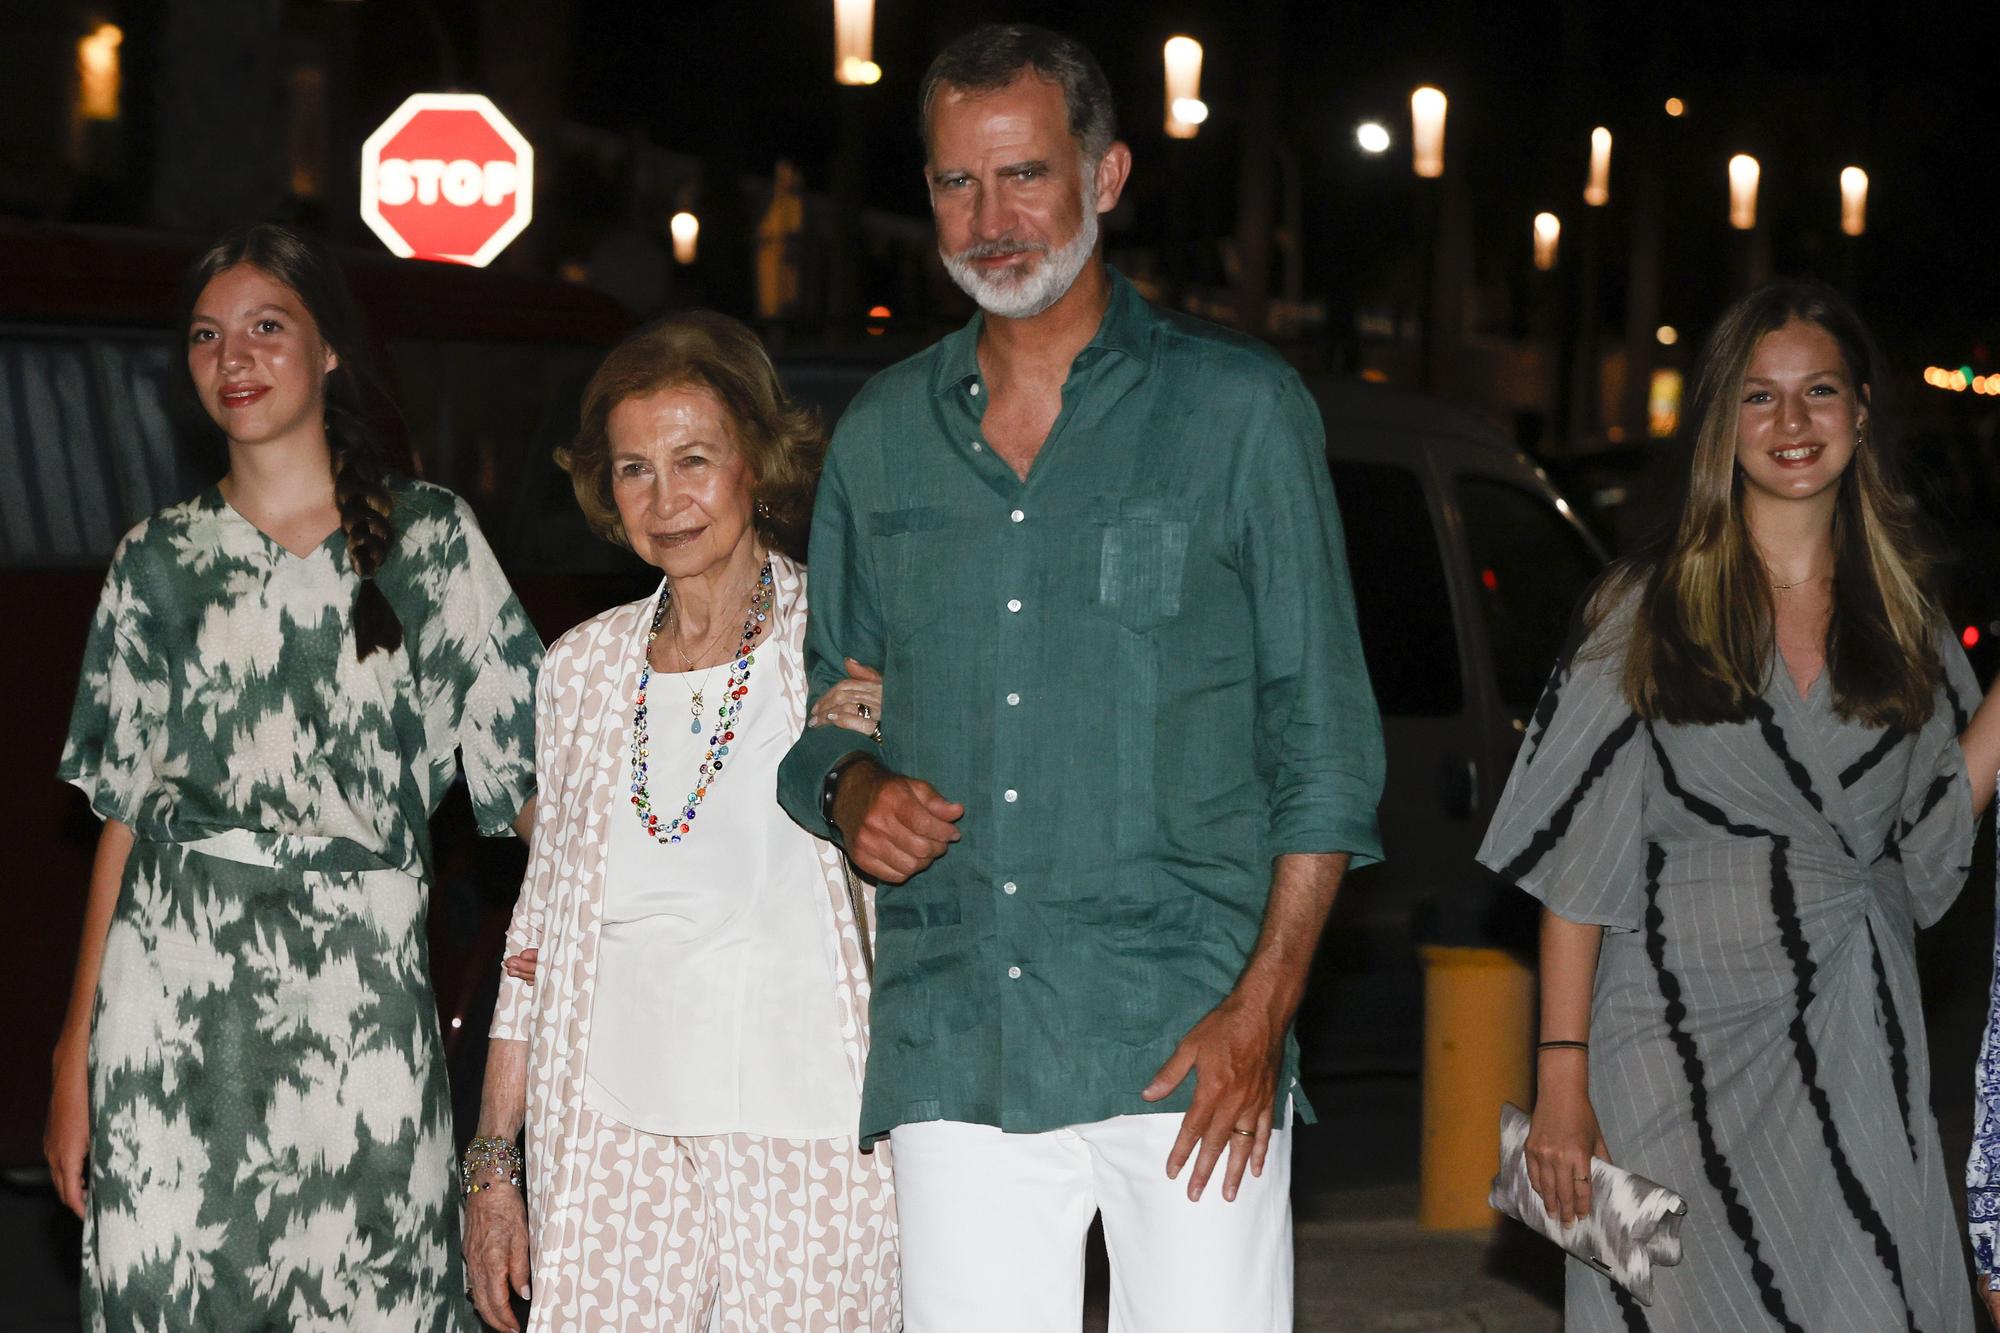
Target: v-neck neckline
{"type": "Point", "coordinates": [1791, 685]}
{"type": "Point", "coordinates": [223, 504]}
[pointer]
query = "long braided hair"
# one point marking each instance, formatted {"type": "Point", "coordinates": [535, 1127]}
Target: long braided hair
{"type": "Point", "coordinates": [364, 454]}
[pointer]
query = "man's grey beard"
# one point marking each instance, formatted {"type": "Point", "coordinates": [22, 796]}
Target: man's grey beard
{"type": "Point", "coordinates": [1028, 295]}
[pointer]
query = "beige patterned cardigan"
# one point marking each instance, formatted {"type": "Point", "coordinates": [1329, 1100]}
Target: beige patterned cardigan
{"type": "Point", "coordinates": [582, 721]}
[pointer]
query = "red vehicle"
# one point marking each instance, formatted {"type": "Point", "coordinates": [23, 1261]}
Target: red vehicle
{"type": "Point", "coordinates": [487, 368]}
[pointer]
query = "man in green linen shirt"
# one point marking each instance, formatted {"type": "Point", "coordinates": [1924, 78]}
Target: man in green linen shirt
{"type": "Point", "coordinates": [1128, 742]}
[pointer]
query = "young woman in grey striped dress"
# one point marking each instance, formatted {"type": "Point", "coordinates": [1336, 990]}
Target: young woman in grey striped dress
{"type": "Point", "coordinates": [1748, 784]}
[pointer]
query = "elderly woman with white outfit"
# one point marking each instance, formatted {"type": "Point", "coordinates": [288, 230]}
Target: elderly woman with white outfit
{"type": "Point", "coordinates": [683, 1029]}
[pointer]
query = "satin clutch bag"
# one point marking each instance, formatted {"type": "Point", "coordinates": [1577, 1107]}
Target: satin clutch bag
{"type": "Point", "coordinates": [1633, 1225]}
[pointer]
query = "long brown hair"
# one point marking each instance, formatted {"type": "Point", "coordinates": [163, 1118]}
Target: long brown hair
{"type": "Point", "coordinates": [1700, 645]}
{"type": "Point", "coordinates": [363, 455]}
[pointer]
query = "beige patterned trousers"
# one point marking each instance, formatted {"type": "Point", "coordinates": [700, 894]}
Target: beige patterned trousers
{"type": "Point", "coordinates": [738, 1233]}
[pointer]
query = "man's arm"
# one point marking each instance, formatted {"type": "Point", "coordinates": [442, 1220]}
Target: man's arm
{"type": "Point", "coordinates": [846, 621]}
{"type": "Point", "coordinates": [1319, 747]}
{"type": "Point", "coordinates": [1238, 1050]}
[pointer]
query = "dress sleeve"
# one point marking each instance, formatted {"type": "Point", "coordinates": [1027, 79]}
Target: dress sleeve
{"type": "Point", "coordinates": [492, 664]}
{"type": "Point", "coordinates": [1933, 836]}
{"type": "Point", "coordinates": [1982, 1168]}
{"type": "Point", "coordinates": [120, 701]}
{"type": "Point", "coordinates": [1569, 825]}
{"type": "Point", "coordinates": [513, 1008]}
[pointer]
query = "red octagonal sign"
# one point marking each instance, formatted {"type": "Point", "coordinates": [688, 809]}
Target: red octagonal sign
{"type": "Point", "coordinates": [448, 178]}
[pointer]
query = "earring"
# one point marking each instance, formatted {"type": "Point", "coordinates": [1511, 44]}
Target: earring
{"type": "Point", "coordinates": [1859, 438]}
{"type": "Point", "coordinates": [763, 508]}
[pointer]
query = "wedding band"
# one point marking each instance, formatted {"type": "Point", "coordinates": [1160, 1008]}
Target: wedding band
{"type": "Point", "coordinates": [1249, 1133]}
{"type": "Point", "coordinates": [876, 736]}
{"type": "Point", "coordinates": [864, 711]}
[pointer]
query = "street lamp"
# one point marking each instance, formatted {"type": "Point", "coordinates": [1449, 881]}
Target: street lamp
{"type": "Point", "coordinates": [1548, 231]}
{"type": "Point", "coordinates": [1743, 174]}
{"type": "Point", "coordinates": [1185, 109]}
{"type": "Point", "coordinates": [1597, 193]}
{"type": "Point", "coordinates": [1427, 107]}
{"type": "Point", "coordinates": [1853, 201]}
{"type": "Point", "coordinates": [1372, 137]}
{"type": "Point", "coordinates": [686, 229]}
{"type": "Point", "coordinates": [854, 42]}
{"type": "Point", "coordinates": [97, 72]}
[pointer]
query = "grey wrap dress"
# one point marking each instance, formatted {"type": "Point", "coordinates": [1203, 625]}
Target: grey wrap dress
{"type": "Point", "coordinates": [1756, 1038]}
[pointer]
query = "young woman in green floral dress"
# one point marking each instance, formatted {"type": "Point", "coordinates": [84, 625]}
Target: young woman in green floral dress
{"type": "Point", "coordinates": [250, 1111]}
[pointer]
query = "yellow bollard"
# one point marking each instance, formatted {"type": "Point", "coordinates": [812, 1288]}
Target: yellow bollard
{"type": "Point", "coordinates": [1479, 1007]}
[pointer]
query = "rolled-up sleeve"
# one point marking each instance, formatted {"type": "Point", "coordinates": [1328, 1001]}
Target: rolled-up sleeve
{"type": "Point", "coordinates": [845, 622]}
{"type": "Point", "coordinates": [1319, 736]}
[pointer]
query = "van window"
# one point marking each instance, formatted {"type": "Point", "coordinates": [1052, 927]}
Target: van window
{"type": "Point", "coordinates": [86, 445]}
{"type": "Point", "coordinates": [1533, 567]}
{"type": "Point", "coordinates": [1400, 598]}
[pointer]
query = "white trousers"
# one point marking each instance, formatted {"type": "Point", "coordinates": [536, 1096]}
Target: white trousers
{"type": "Point", "coordinates": [993, 1228]}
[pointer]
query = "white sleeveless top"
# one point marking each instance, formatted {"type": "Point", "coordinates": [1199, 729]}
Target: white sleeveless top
{"type": "Point", "coordinates": [714, 1009]}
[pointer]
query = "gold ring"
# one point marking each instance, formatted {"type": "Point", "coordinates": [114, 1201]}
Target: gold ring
{"type": "Point", "coordinates": [1249, 1132]}
{"type": "Point", "coordinates": [864, 711]}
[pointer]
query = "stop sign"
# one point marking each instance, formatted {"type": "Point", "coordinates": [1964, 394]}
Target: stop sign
{"type": "Point", "coordinates": [447, 177]}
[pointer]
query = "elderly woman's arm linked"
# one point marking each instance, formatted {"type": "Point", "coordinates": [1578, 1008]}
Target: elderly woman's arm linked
{"type": "Point", "coordinates": [496, 1217]}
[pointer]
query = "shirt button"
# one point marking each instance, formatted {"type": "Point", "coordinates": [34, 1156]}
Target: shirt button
{"type": "Point", "coordinates": [1008, 888]}
{"type": "Point", "coordinates": [1014, 973]}
{"type": "Point", "coordinates": [1013, 604]}
{"type": "Point", "coordinates": [976, 446]}
{"type": "Point", "coordinates": [1010, 796]}
{"type": "Point", "coordinates": [1017, 516]}
{"type": "Point", "coordinates": [1013, 701]}
{"type": "Point", "coordinates": [974, 390]}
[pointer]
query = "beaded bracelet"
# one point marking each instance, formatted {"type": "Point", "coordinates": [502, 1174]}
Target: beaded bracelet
{"type": "Point", "coordinates": [499, 1156]}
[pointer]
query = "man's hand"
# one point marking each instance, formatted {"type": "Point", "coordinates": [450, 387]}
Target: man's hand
{"type": "Point", "coordinates": [1235, 1054]}
{"type": "Point", "coordinates": [892, 826]}
{"type": "Point", "coordinates": [522, 965]}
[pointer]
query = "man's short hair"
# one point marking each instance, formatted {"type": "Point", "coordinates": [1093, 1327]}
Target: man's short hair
{"type": "Point", "coordinates": [993, 55]}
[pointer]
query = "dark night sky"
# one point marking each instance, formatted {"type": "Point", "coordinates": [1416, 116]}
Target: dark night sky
{"type": "Point", "coordinates": [1899, 90]}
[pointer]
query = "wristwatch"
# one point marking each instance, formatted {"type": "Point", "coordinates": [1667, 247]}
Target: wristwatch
{"type": "Point", "coordinates": [830, 787]}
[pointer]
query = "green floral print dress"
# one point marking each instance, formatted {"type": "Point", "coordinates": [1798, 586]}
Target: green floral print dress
{"type": "Point", "coordinates": [271, 1140]}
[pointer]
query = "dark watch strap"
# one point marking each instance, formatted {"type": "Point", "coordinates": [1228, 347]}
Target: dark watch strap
{"type": "Point", "coordinates": [830, 788]}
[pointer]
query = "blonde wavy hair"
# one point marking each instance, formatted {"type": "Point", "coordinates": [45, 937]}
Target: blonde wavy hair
{"type": "Point", "coordinates": [1700, 645]}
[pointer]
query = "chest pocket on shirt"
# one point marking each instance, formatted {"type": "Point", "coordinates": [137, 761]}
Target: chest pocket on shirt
{"type": "Point", "coordinates": [911, 541]}
{"type": "Point", "coordinates": [1142, 560]}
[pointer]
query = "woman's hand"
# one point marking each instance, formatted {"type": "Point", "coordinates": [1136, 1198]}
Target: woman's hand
{"type": "Point", "coordinates": [496, 1253]}
{"type": "Point", "coordinates": [66, 1137]}
{"type": "Point", "coordinates": [1562, 1138]}
{"type": "Point", "coordinates": [854, 703]}
{"type": "Point", "coordinates": [1988, 1293]}
{"type": "Point", "coordinates": [521, 966]}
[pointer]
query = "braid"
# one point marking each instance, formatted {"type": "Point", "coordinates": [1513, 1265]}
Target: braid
{"type": "Point", "coordinates": [361, 491]}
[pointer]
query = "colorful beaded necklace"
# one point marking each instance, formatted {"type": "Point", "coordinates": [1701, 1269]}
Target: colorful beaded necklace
{"type": "Point", "coordinates": [677, 824]}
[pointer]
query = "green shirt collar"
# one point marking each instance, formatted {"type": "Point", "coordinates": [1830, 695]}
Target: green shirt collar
{"type": "Point", "coordinates": [1127, 327]}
